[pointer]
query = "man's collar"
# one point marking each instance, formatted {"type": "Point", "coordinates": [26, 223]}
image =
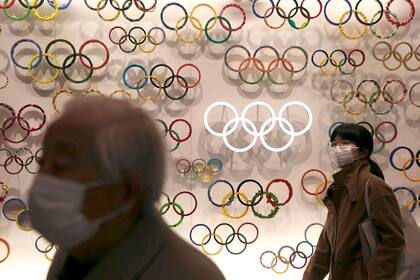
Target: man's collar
{"type": "Point", "coordinates": [349, 177]}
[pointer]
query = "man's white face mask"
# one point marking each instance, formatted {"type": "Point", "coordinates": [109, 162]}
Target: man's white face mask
{"type": "Point", "coordinates": [56, 210]}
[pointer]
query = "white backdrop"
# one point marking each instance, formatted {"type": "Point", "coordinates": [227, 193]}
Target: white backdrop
{"type": "Point", "coordinates": [78, 24]}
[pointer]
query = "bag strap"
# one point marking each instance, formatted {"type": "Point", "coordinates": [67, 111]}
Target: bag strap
{"type": "Point", "coordinates": [367, 203]}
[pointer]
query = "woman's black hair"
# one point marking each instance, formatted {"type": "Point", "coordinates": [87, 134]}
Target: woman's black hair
{"type": "Point", "coordinates": [362, 138]}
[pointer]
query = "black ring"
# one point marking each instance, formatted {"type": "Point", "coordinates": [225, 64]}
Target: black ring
{"type": "Point", "coordinates": [94, 8]}
{"type": "Point", "coordinates": [121, 8]}
{"type": "Point", "coordinates": [39, 250]}
{"type": "Point", "coordinates": [344, 59]}
{"type": "Point", "coordinates": [131, 36]}
{"type": "Point", "coordinates": [182, 8]}
{"type": "Point", "coordinates": [369, 23]}
{"type": "Point", "coordinates": [57, 41]}
{"type": "Point", "coordinates": [131, 19]}
{"type": "Point", "coordinates": [371, 129]}
{"type": "Point", "coordinates": [289, 16]}
{"type": "Point", "coordinates": [327, 58]}
{"type": "Point", "coordinates": [239, 188]}
{"type": "Point", "coordinates": [161, 65]}
{"type": "Point", "coordinates": [38, 4]}
{"type": "Point", "coordinates": [418, 163]}
{"type": "Point", "coordinates": [304, 241]}
{"type": "Point", "coordinates": [8, 201]}
{"type": "Point", "coordinates": [165, 86]}
{"type": "Point", "coordinates": [223, 224]}
{"type": "Point", "coordinates": [123, 39]}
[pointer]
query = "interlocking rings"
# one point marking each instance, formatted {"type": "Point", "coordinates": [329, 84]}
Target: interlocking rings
{"type": "Point", "coordinates": [177, 208]}
{"type": "Point", "coordinates": [69, 61]}
{"type": "Point", "coordinates": [199, 169]}
{"type": "Point", "coordinates": [169, 131]}
{"type": "Point", "coordinates": [392, 53]}
{"type": "Point", "coordinates": [265, 129]}
{"type": "Point", "coordinates": [338, 63]}
{"type": "Point", "coordinates": [34, 5]}
{"type": "Point", "coordinates": [222, 241]}
{"type": "Point", "coordinates": [128, 42]}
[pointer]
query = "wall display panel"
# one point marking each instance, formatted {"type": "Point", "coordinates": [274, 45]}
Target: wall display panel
{"type": "Point", "coordinates": [245, 93]}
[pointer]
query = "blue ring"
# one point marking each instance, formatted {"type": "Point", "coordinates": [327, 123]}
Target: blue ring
{"type": "Point", "coordinates": [202, 225]}
{"type": "Point", "coordinates": [336, 23]}
{"type": "Point", "coordinates": [12, 53]}
{"type": "Point", "coordinates": [259, 16]}
{"type": "Point", "coordinates": [218, 162]}
{"type": "Point", "coordinates": [413, 194]}
{"type": "Point", "coordinates": [391, 157]}
{"type": "Point", "coordinates": [143, 84]}
{"type": "Point", "coordinates": [230, 198]}
{"type": "Point", "coordinates": [62, 7]}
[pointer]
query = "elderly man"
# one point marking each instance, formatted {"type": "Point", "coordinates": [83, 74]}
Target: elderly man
{"type": "Point", "coordinates": [101, 173]}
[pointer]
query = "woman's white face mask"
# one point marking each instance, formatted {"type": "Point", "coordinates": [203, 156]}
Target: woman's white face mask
{"type": "Point", "coordinates": [342, 155]}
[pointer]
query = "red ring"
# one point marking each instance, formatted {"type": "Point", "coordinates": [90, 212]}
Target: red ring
{"type": "Point", "coordinates": [181, 139]}
{"type": "Point", "coordinates": [390, 82]}
{"type": "Point", "coordinates": [243, 17]}
{"type": "Point", "coordinates": [195, 203]}
{"type": "Point", "coordinates": [178, 74]}
{"type": "Point", "coordinates": [270, 200]}
{"type": "Point", "coordinates": [303, 179]}
{"type": "Point", "coordinates": [151, 9]}
{"type": "Point", "coordinates": [293, 255]}
{"type": "Point", "coordinates": [13, 117]}
{"type": "Point", "coordinates": [81, 52]}
{"type": "Point", "coordinates": [7, 247]}
{"type": "Point", "coordinates": [41, 125]}
{"type": "Point", "coordinates": [124, 36]}
{"type": "Point", "coordinates": [363, 57]}
{"type": "Point", "coordinates": [252, 224]}
{"type": "Point", "coordinates": [275, 257]}
{"type": "Point", "coordinates": [3, 131]}
{"type": "Point", "coordinates": [8, 5]}
{"type": "Point", "coordinates": [393, 137]}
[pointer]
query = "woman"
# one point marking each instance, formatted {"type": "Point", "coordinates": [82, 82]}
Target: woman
{"type": "Point", "coordinates": [338, 251]}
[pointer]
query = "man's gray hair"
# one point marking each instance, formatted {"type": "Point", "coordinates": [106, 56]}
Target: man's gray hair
{"type": "Point", "coordinates": [126, 142]}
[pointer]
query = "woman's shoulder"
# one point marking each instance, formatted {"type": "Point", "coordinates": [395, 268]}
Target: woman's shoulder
{"type": "Point", "coordinates": [378, 188]}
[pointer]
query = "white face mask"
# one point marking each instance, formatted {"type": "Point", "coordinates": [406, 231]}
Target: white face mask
{"type": "Point", "coordinates": [56, 210]}
{"type": "Point", "coordinates": [342, 155]}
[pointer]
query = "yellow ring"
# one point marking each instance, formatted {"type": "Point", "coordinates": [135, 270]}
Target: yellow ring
{"type": "Point", "coordinates": [284, 260]}
{"type": "Point", "coordinates": [123, 91]}
{"type": "Point", "coordinates": [53, 78]}
{"type": "Point", "coordinates": [17, 221]}
{"type": "Point", "coordinates": [157, 95]}
{"type": "Point", "coordinates": [54, 99]}
{"type": "Point", "coordinates": [216, 236]}
{"type": "Point", "coordinates": [47, 250]}
{"type": "Point", "coordinates": [324, 62]}
{"type": "Point", "coordinates": [353, 113]}
{"type": "Point", "coordinates": [196, 38]}
{"type": "Point", "coordinates": [352, 37]}
{"type": "Point", "coordinates": [405, 169]}
{"type": "Point", "coordinates": [151, 39]}
{"type": "Point", "coordinates": [200, 27]}
{"type": "Point", "coordinates": [224, 200]}
{"type": "Point", "coordinates": [92, 90]}
{"type": "Point", "coordinates": [103, 18]}
{"type": "Point", "coordinates": [45, 18]}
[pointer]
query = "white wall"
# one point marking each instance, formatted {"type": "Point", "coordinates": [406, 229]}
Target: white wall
{"type": "Point", "coordinates": [78, 24]}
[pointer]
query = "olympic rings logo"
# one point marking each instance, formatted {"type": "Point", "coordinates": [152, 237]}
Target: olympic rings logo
{"type": "Point", "coordinates": [221, 241]}
{"type": "Point", "coordinates": [58, 66]}
{"type": "Point", "coordinates": [161, 81]}
{"type": "Point", "coordinates": [127, 9]}
{"type": "Point", "coordinates": [11, 119]}
{"type": "Point", "coordinates": [265, 129]}
{"type": "Point", "coordinates": [176, 207]}
{"type": "Point", "coordinates": [199, 169]}
{"type": "Point", "coordinates": [243, 199]}
{"type": "Point", "coordinates": [273, 70]}
{"type": "Point", "coordinates": [33, 6]}
{"type": "Point", "coordinates": [408, 162]}
{"type": "Point", "coordinates": [173, 135]}
{"type": "Point", "coordinates": [392, 53]}
{"type": "Point", "coordinates": [48, 247]}
{"type": "Point", "coordinates": [198, 25]}
{"type": "Point", "coordinates": [16, 158]}
{"type": "Point", "coordinates": [135, 43]}
{"type": "Point", "coordinates": [374, 131]}
{"type": "Point", "coordinates": [338, 63]}
{"type": "Point", "coordinates": [296, 253]}
{"type": "Point", "coordinates": [370, 94]}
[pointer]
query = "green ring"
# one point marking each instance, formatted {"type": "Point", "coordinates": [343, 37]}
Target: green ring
{"type": "Point", "coordinates": [227, 242]}
{"type": "Point", "coordinates": [273, 211]}
{"type": "Point", "coordinates": [74, 57]}
{"type": "Point", "coordinates": [210, 38]}
{"type": "Point", "coordinates": [382, 145]}
{"type": "Point", "coordinates": [376, 34]}
{"type": "Point", "coordinates": [371, 102]}
{"type": "Point", "coordinates": [177, 143]}
{"type": "Point", "coordinates": [252, 83]}
{"type": "Point", "coordinates": [341, 70]}
{"type": "Point", "coordinates": [18, 18]}
{"type": "Point", "coordinates": [168, 204]}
